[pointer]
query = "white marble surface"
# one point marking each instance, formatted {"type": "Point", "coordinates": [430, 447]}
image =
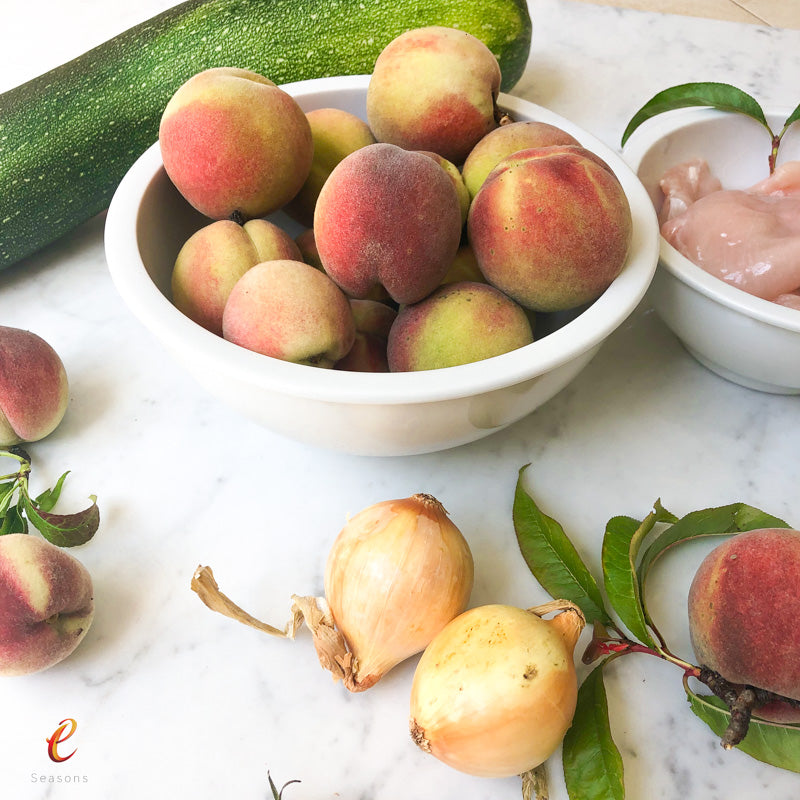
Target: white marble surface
{"type": "Point", "coordinates": [173, 701]}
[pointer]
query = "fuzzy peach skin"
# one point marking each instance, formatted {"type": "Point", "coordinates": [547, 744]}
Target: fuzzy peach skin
{"type": "Point", "coordinates": [373, 321]}
{"type": "Point", "coordinates": [291, 311]}
{"type": "Point", "coordinates": [505, 141]}
{"type": "Point", "coordinates": [46, 604]}
{"type": "Point", "coordinates": [464, 267]}
{"type": "Point", "coordinates": [458, 324]}
{"type": "Point", "coordinates": [434, 88]}
{"type": "Point", "coordinates": [215, 257]}
{"type": "Point", "coordinates": [307, 244]}
{"type": "Point", "coordinates": [744, 614]}
{"type": "Point", "coordinates": [458, 181]}
{"type": "Point", "coordinates": [233, 143]}
{"type": "Point", "coordinates": [34, 391]}
{"type": "Point", "coordinates": [387, 217]}
{"type": "Point", "coordinates": [551, 227]}
{"type": "Point", "coordinates": [336, 133]}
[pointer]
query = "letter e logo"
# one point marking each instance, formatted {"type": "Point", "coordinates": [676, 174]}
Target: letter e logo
{"type": "Point", "coordinates": [61, 735]}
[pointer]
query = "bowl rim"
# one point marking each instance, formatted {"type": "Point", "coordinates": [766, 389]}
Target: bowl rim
{"type": "Point", "coordinates": [641, 141]}
{"type": "Point", "coordinates": [574, 339]}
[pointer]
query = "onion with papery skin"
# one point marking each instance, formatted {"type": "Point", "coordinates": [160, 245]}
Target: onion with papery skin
{"type": "Point", "coordinates": [398, 572]}
{"type": "Point", "coordinates": [495, 691]}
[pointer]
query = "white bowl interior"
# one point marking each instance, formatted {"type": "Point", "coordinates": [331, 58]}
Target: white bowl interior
{"type": "Point", "coordinates": [148, 222]}
{"type": "Point", "coordinates": [742, 337]}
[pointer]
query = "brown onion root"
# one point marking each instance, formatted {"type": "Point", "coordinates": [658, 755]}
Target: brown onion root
{"type": "Point", "coordinates": [330, 645]}
{"type": "Point", "coordinates": [534, 784]}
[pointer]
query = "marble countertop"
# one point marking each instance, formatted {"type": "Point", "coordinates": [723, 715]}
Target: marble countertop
{"type": "Point", "coordinates": [174, 701]}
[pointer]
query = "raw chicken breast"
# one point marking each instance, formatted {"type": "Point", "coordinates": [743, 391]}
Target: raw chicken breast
{"type": "Point", "coordinates": [748, 238]}
{"type": "Point", "coordinates": [790, 300]}
{"type": "Point", "coordinates": [685, 184]}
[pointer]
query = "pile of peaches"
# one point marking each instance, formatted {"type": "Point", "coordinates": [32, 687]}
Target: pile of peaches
{"type": "Point", "coordinates": [433, 232]}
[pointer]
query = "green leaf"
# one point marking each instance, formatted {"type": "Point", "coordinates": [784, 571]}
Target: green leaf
{"type": "Point", "coordinates": [7, 495]}
{"type": "Point", "coordinates": [792, 118]}
{"type": "Point", "coordinates": [718, 521]}
{"type": "Point", "coordinates": [623, 539]}
{"type": "Point", "coordinates": [13, 521]}
{"type": "Point", "coordinates": [48, 498]}
{"type": "Point", "coordinates": [771, 743]}
{"type": "Point", "coordinates": [717, 95]}
{"type": "Point", "coordinates": [593, 767]}
{"type": "Point", "coordinates": [553, 559]}
{"type": "Point", "coordinates": [65, 530]}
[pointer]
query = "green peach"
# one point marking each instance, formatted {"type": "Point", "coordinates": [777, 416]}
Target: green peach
{"type": "Point", "coordinates": [458, 181]}
{"type": "Point", "coordinates": [458, 324]}
{"type": "Point", "coordinates": [336, 133]}
{"type": "Point", "coordinates": [464, 267]}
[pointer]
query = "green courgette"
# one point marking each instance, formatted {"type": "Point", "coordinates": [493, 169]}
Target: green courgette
{"type": "Point", "coordinates": [68, 136]}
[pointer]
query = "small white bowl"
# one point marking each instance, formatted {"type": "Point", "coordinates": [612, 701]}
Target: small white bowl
{"type": "Point", "coordinates": [362, 413]}
{"type": "Point", "coordinates": [743, 338]}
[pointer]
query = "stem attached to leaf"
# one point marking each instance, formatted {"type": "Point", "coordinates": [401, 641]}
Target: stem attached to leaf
{"type": "Point", "coordinates": [741, 699]}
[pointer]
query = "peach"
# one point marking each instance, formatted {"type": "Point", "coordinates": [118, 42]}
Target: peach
{"type": "Point", "coordinates": [336, 133]}
{"type": "Point", "coordinates": [464, 267]}
{"type": "Point", "coordinates": [373, 321]}
{"type": "Point", "coordinates": [458, 324]}
{"type": "Point", "coordinates": [387, 217]}
{"type": "Point", "coordinates": [215, 257]}
{"type": "Point", "coordinates": [307, 244]}
{"type": "Point", "coordinates": [551, 227]}
{"type": "Point", "coordinates": [234, 144]}
{"type": "Point", "coordinates": [290, 311]}
{"type": "Point", "coordinates": [744, 613]}
{"type": "Point", "coordinates": [46, 604]}
{"type": "Point", "coordinates": [458, 181]}
{"type": "Point", "coordinates": [34, 391]}
{"type": "Point", "coordinates": [434, 88]}
{"type": "Point", "coordinates": [505, 141]}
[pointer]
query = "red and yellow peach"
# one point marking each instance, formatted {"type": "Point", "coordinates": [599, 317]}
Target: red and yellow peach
{"type": "Point", "coordinates": [46, 604]}
{"type": "Point", "coordinates": [387, 217]}
{"type": "Point", "coordinates": [289, 310]}
{"type": "Point", "coordinates": [34, 391]}
{"type": "Point", "coordinates": [551, 227]}
{"type": "Point", "coordinates": [234, 144]}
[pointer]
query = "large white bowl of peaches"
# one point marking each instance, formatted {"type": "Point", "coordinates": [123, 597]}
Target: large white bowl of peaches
{"type": "Point", "coordinates": [380, 264]}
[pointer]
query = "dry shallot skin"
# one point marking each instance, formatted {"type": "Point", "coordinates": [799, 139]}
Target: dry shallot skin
{"type": "Point", "coordinates": [397, 573]}
{"type": "Point", "coordinates": [495, 692]}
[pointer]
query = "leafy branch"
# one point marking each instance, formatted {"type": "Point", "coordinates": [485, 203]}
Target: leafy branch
{"type": "Point", "coordinates": [721, 96]}
{"type": "Point", "coordinates": [18, 508]}
{"type": "Point", "coordinates": [593, 768]}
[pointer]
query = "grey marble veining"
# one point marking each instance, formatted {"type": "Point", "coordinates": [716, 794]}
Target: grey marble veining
{"type": "Point", "coordinates": [173, 701]}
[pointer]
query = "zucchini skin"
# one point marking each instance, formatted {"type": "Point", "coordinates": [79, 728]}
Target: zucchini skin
{"type": "Point", "coordinates": [68, 136]}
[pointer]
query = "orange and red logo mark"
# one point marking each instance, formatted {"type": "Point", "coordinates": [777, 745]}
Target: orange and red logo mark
{"type": "Point", "coordinates": [63, 732]}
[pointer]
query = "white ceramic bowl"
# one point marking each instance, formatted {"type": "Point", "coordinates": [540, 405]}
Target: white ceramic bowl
{"type": "Point", "coordinates": [360, 413]}
{"type": "Point", "coordinates": [743, 338]}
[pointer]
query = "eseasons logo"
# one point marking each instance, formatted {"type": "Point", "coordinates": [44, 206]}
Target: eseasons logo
{"type": "Point", "coordinates": [61, 734]}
